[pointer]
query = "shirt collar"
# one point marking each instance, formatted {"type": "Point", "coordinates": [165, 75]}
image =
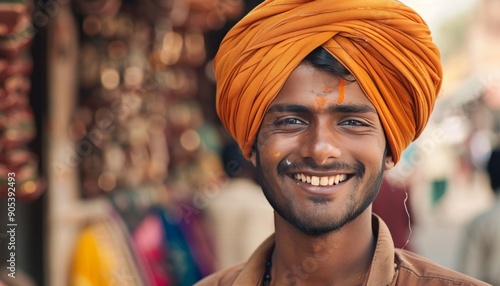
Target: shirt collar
{"type": "Point", "coordinates": [382, 270]}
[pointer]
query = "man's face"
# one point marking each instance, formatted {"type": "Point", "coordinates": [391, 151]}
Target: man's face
{"type": "Point", "coordinates": [320, 159]}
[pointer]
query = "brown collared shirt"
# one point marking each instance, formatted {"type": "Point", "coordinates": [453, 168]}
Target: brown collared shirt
{"type": "Point", "coordinates": [410, 269]}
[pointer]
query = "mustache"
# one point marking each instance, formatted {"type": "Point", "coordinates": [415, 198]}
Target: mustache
{"type": "Point", "coordinates": [285, 166]}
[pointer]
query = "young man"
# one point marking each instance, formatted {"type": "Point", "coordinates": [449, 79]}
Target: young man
{"type": "Point", "coordinates": [323, 96]}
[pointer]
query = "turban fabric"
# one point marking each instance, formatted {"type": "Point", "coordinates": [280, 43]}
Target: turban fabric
{"type": "Point", "coordinates": [383, 43]}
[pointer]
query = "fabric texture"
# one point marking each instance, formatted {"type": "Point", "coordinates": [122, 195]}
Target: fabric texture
{"type": "Point", "coordinates": [104, 255]}
{"type": "Point", "coordinates": [149, 239]}
{"type": "Point", "coordinates": [385, 44]}
{"type": "Point", "coordinates": [410, 269]}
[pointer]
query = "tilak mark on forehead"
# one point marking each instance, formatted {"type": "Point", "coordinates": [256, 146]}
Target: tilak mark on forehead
{"type": "Point", "coordinates": [341, 90]}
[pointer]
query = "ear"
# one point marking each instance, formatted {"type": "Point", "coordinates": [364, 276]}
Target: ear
{"type": "Point", "coordinates": [253, 157]}
{"type": "Point", "coordinates": [389, 162]}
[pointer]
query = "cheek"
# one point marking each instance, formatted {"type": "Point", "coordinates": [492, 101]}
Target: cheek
{"type": "Point", "coordinates": [368, 151]}
{"type": "Point", "coordinates": [274, 149]}
{"type": "Point", "coordinates": [275, 145]}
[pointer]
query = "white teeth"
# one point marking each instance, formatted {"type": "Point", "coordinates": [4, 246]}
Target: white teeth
{"type": "Point", "coordinates": [315, 181]}
{"type": "Point", "coordinates": [323, 181]}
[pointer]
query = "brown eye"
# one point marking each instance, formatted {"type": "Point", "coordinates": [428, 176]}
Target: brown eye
{"type": "Point", "coordinates": [290, 121]}
{"type": "Point", "coordinates": [352, 122]}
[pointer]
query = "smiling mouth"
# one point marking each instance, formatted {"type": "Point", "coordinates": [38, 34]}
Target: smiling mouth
{"type": "Point", "coordinates": [320, 181]}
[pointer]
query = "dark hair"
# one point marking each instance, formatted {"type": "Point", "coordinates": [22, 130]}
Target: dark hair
{"type": "Point", "coordinates": [322, 59]}
{"type": "Point", "coordinates": [493, 169]}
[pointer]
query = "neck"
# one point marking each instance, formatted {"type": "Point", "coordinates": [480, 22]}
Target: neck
{"type": "Point", "coordinates": [342, 257]}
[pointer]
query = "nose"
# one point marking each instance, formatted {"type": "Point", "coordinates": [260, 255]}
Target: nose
{"type": "Point", "coordinates": [321, 144]}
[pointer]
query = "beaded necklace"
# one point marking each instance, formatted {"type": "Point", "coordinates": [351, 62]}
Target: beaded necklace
{"type": "Point", "coordinates": [267, 273]}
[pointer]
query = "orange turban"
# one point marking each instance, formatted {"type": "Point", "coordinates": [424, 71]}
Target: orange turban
{"type": "Point", "coordinates": [385, 44]}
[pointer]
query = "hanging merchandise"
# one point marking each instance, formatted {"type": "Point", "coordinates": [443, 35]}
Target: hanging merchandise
{"type": "Point", "coordinates": [121, 110]}
{"type": "Point", "coordinates": [141, 134]}
{"type": "Point", "coordinates": [104, 255]}
{"type": "Point", "coordinates": [184, 266]}
{"type": "Point", "coordinates": [149, 238]}
{"type": "Point", "coordinates": [17, 128]}
{"type": "Point", "coordinates": [141, 64]}
{"type": "Point", "coordinates": [174, 246]}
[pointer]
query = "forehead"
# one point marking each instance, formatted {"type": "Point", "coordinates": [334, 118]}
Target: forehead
{"type": "Point", "coordinates": [308, 85]}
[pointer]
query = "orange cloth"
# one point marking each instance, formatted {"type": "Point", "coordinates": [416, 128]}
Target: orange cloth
{"type": "Point", "coordinates": [385, 44]}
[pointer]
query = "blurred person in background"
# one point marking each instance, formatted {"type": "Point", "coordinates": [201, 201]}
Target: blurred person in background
{"type": "Point", "coordinates": [480, 251]}
{"type": "Point", "coordinates": [240, 216]}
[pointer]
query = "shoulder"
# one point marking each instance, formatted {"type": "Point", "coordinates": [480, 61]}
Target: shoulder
{"type": "Point", "coordinates": [485, 223]}
{"type": "Point", "coordinates": [223, 277]}
{"type": "Point", "coordinates": [489, 217]}
{"type": "Point", "coordinates": [417, 270]}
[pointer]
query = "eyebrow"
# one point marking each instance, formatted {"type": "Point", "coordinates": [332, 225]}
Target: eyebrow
{"type": "Point", "coordinates": [336, 108]}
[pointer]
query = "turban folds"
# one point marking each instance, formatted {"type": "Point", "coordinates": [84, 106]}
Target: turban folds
{"type": "Point", "coordinates": [385, 44]}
